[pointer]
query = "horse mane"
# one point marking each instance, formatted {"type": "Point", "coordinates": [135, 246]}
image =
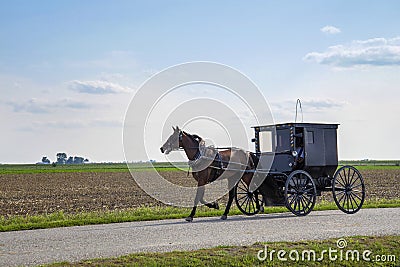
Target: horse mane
{"type": "Point", "coordinates": [195, 136]}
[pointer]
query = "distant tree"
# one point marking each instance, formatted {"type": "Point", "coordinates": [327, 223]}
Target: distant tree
{"type": "Point", "coordinates": [45, 160]}
{"type": "Point", "coordinates": [70, 160]}
{"type": "Point", "coordinates": [78, 160]}
{"type": "Point", "coordinates": [61, 158]}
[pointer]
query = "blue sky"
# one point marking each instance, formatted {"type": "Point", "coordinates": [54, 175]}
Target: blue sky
{"type": "Point", "coordinates": [69, 68]}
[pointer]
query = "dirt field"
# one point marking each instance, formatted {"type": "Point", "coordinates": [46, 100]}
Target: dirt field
{"type": "Point", "coordinates": [96, 191]}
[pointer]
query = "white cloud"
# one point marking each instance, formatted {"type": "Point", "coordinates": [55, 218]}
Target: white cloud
{"type": "Point", "coordinates": [71, 124]}
{"type": "Point", "coordinates": [37, 106]}
{"type": "Point", "coordinates": [85, 124]}
{"type": "Point", "coordinates": [370, 52]}
{"type": "Point", "coordinates": [285, 110]}
{"type": "Point", "coordinates": [309, 105]}
{"type": "Point", "coordinates": [98, 87]}
{"type": "Point", "coordinates": [322, 104]}
{"type": "Point", "coordinates": [106, 123]}
{"type": "Point", "coordinates": [330, 30]}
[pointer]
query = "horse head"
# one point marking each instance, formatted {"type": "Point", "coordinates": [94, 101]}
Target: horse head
{"type": "Point", "coordinates": [173, 142]}
{"type": "Point", "coordinates": [181, 139]}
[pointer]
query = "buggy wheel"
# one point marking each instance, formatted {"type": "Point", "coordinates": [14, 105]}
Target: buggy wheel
{"type": "Point", "coordinates": [300, 193]}
{"type": "Point", "coordinates": [348, 189]}
{"type": "Point", "coordinates": [247, 202]}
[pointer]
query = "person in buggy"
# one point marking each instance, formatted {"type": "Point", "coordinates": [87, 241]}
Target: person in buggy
{"type": "Point", "coordinates": [299, 151]}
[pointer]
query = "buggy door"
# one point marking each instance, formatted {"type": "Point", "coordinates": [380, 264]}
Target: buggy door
{"type": "Point", "coordinates": [314, 147]}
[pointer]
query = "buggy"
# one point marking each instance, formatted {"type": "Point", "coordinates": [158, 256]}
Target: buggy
{"type": "Point", "coordinates": [296, 162]}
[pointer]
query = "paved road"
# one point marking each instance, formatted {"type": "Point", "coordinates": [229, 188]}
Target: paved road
{"type": "Point", "coordinates": [85, 242]}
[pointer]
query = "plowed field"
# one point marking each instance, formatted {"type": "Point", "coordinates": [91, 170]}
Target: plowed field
{"type": "Point", "coordinates": [95, 191]}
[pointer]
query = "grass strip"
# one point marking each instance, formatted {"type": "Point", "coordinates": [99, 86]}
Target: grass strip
{"type": "Point", "coordinates": [376, 167]}
{"type": "Point", "coordinates": [159, 166]}
{"type": "Point", "coordinates": [385, 251]}
{"type": "Point", "coordinates": [61, 219]}
{"type": "Point", "coordinates": [78, 168]}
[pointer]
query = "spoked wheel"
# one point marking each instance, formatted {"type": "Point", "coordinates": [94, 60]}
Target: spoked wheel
{"type": "Point", "coordinates": [247, 202]}
{"type": "Point", "coordinates": [348, 189]}
{"type": "Point", "coordinates": [300, 193]}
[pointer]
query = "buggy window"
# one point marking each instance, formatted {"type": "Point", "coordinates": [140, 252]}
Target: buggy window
{"type": "Point", "coordinates": [310, 137]}
{"type": "Point", "coordinates": [265, 138]}
{"type": "Point", "coordinates": [283, 140]}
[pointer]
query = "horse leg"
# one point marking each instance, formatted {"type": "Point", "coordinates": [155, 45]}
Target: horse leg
{"type": "Point", "coordinates": [230, 200]}
{"type": "Point", "coordinates": [212, 205]}
{"type": "Point", "coordinates": [190, 217]}
{"type": "Point", "coordinates": [228, 205]}
{"type": "Point", "coordinates": [199, 196]}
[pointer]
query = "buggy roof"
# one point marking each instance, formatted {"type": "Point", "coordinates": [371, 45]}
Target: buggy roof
{"type": "Point", "coordinates": [305, 125]}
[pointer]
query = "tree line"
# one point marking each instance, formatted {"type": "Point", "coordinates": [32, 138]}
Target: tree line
{"type": "Point", "coordinates": [62, 158]}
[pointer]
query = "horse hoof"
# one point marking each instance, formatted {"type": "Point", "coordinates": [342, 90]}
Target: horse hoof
{"type": "Point", "coordinates": [189, 219]}
{"type": "Point", "coordinates": [216, 206]}
{"type": "Point", "coordinates": [224, 217]}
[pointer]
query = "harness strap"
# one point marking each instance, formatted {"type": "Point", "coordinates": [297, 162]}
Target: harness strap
{"type": "Point", "coordinates": [198, 155]}
{"type": "Point", "coordinates": [193, 162]}
{"type": "Point", "coordinates": [217, 170]}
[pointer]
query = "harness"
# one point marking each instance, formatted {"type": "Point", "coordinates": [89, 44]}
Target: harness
{"type": "Point", "coordinates": [209, 158]}
{"type": "Point", "coordinates": [203, 160]}
{"type": "Point", "coordinates": [217, 168]}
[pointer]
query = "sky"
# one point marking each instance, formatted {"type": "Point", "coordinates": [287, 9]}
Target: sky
{"type": "Point", "coordinates": [69, 69]}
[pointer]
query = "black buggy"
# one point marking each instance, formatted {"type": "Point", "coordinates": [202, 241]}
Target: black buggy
{"type": "Point", "coordinates": [295, 163]}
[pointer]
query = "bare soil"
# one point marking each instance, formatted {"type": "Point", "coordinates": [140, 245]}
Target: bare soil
{"type": "Point", "coordinates": [42, 193]}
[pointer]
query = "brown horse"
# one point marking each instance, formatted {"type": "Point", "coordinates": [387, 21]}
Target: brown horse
{"type": "Point", "coordinates": [208, 164]}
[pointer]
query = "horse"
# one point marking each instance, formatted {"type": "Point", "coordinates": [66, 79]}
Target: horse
{"type": "Point", "coordinates": [208, 164]}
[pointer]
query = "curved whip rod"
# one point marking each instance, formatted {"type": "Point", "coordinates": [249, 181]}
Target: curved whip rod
{"type": "Point", "coordinates": [298, 103]}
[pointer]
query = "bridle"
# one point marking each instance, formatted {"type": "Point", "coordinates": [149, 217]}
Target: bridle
{"type": "Point", "coordinates": [180, 139]}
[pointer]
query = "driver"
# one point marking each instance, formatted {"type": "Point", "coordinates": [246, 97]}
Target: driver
{"type": "Point", "coordinates": [300, 151]}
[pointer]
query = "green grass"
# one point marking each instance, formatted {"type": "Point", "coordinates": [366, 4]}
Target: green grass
{"type": "Point", "coordinates": [387, 246]}
{"type": "Point", "coordinates": [33, 168]}
{"type": "Point", "coordinates": [61, 219]}
{"type": "Point", "coordinates": [160, 166]}
{"type": "Point", "coordinates": [92, 167]}
{"type": "Point", "coordinates": [370, 162]}
{"type": "Point", "coordinates": [376, 167]}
